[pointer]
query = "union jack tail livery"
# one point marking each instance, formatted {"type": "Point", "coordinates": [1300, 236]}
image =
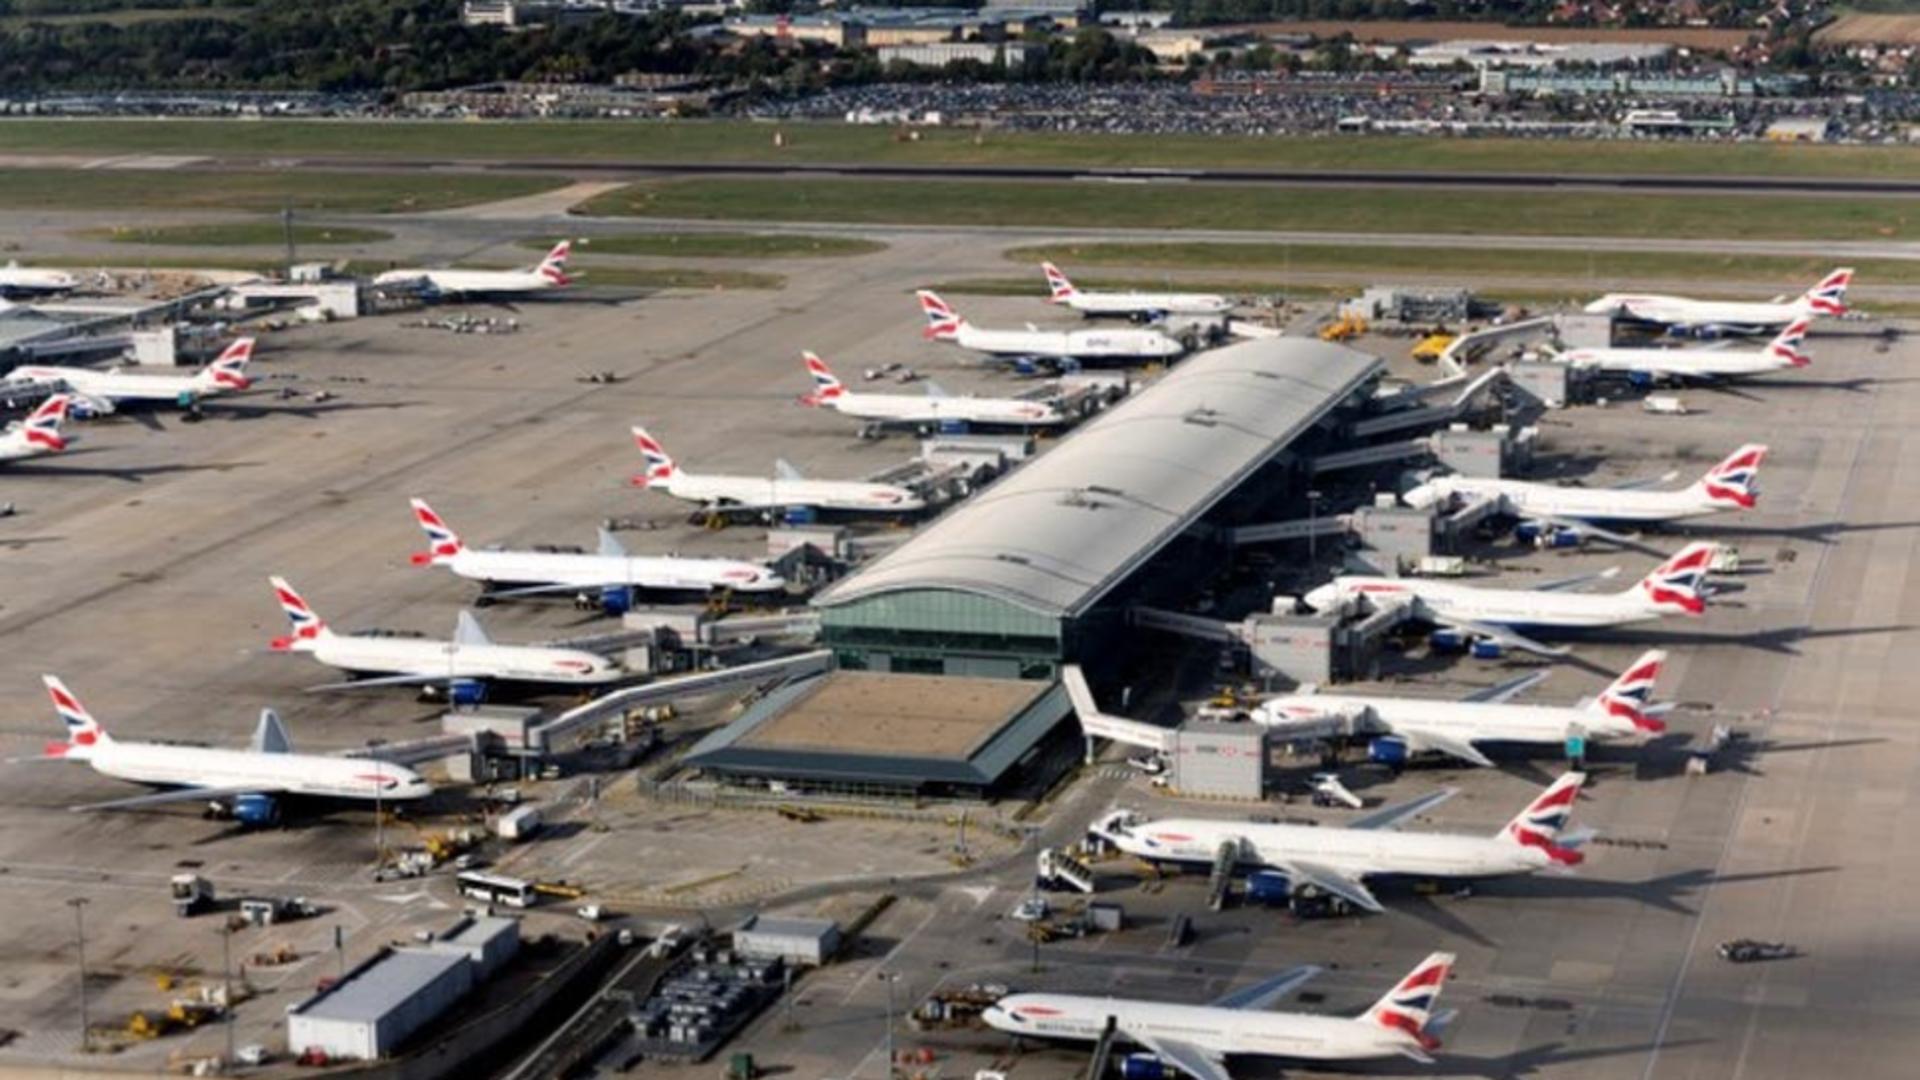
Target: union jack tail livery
{"type": "Point", "coordinates": [1540, 824]}
{"type": "Point", "coordinates": [1830, 296]}
{"type": "Point", "coordinates": [42, 429]}
{"type": "Point", "coordinates": [943, 323]}
{"type": "Point", "coordinates": [83, 731]}
{"type": "Point", "coordinates": [1735, 482]}
{"type": "Point", "coordinates": [307, 626]}
{"type": "Point", "coordinates": [1786, 347]}
{"type": "Point", "coordinates": [554, 266]}
{"type": "Point", "coordinates": [825, 386]}
{"type": "Point", "coordinates": [443, 544]}
{"type": "Point", "coordinates": [1674, 586]}
{"type": "Point", "coordinates": [229, 370]}
{"type": "Point", "coordinates": [1061, 289]}
{"type": "Point", "coordinates": [660, 467]}
{"type": "Point", "coordinates": [1408, 1007]}
{"type": "Point", "coordinates": [1629, 698]}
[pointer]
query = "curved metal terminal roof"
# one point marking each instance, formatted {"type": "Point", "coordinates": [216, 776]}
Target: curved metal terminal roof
{"type": "Point", "coordinates": [1063, 529]}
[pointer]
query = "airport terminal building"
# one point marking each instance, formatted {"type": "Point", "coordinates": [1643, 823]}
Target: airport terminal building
{"type": "Point", "coordinates": [1040, 568]}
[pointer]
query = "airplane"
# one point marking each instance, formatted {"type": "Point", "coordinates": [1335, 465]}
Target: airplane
{"type": "Point", "coordinates": [1484, 619]}
{"type": "Point", "coordinates": [102, 391]}
{"type": "Point", "coordinates": [549, 273]}
{"type": "Point", "coordinates": [928, 409]}
{"type": "Point", "coordinates": [463, 666]}
{"type": "Point", "coordinates": [1063, 346]}
{"type": "Point", "coordinates": [1646, 366]}
{"type": "Point", "coordinates": [17, 280]}
{"type": "Point", "coordinates": [39, 434]}
{"type": "Point", "coordinates": [1131, 303]}
{"type": "Point", "coordinates": [611, 571]}
{"type": "Point", "coordinates": [1404, 727]}
{"type": "Point", "coordinates": [1829, 297]}
{"type": "Point", "coordinates": [250, 785]}
{"type": "Point", "coordinates": [1338, 861]}
{"type": "Point", "coordinates": [722, 493]}
{"type": "Point", "coordinates": [1200, 1040]}
{"type": "Point", "coordinates": [1554, 515]}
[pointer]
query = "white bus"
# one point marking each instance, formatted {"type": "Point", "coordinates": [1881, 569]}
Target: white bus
{"type": "Point", "coordinates": [496, 889]}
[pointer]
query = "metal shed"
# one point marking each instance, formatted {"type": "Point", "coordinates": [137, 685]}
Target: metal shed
{"type": "Point", "coordinates": [372, 1010]}
{"type": "Point", "coordinates": [797, 941]}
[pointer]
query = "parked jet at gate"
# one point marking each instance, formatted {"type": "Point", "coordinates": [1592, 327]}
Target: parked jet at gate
{"type": "Point", "coordinates": [250, 784]}
{"type": "Point", "coordinates": [1548, 511]}
{"type": "Point", "coordinates": [1131, 303]}
{"type": "Point", "coordinates": [1201, 1040]}
{"type": "Point", "coordinates": [1408, 726]}
{"type": "Point", "coordinates": [101, 390]}
{"type": "Point", "coordinates": [17, 280]}
{"type": "Point", "coordinates": [1827, 298]}
{"type": "Point", "coordinates": [463, 666]}
{"type": "Point", "coordinates": [1121, 344]}
{"type": "Point", "coordinates": [37, 435]}
{"type": "Point", "coordinates": [547, 274]}
{"type": "Point", "coordinates": [1340, 860]}
{"type": "Point", "coordinates": [1465, 613]}
{"type": "Point", "coordinates": [610, 572]}
{"type": "Point", "coordinates": [1647, 365]}
{"type": "Point", "coordinates": [932, 407]}
{"type": "Point", "coordinates": [785, 490]}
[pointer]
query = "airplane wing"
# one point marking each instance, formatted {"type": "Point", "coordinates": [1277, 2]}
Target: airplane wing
{"type": "Point", "coordinates": [468, 631]}
{"type": "Point", "coordinates": [935, 390]}
{"type": "Point", "coordinates": [1574, 582]}
{"type": "Point", "coordinates": [1588, 528]}
{"type": "Point", "coordinates": [1264, 993]}
{"type": "Point", "coordinates": [1506, 637]}
{"type": "Point", "coordinates": [1389, 816]}
{"type": "Point", "coordinates": [784, 470]}
{"type": "Point", "coordinates": [1198, 1062]}
{"type": "Point", "coordinates": [381, 680]}
{"type": "Point", "coordinates": [1425, 739]}
{"type": "Point", "coordinates": [611, 546]}
{"type": "Point", "coordinates": [1503, 692]}
{"type": "Point", "coordinates": [1329, 880]}
{"type": "Point", "coordinates": [190, 794]}
{"type": "Point", "coordinates": [1667, 477]}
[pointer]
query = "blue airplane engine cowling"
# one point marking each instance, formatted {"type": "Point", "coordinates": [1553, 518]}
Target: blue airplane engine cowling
{"type": "Point", "coordinates": [257, 810]}
{"type": "Point", "coordinates": [1268, 887]}
{"type": "Point", "coordinates": [1389, 750]}
{"type": "Point", "coordinates": [1447, 640]}
{"type": "Point", "coordinates": [616, 600]}
{"type": "Point", "coordinates": [1143, 1067]}
{"type": "Point", "coordinates": [467, 692]}
{"type": "Point", "coordinates": [1487, 650]}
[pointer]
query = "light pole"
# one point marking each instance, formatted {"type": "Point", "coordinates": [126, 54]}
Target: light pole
{"type": "Point", "coordinates": [78, 904]}
{"type": "Point", "coordinates": [889, 978]}
{"type": "Point", "coordinates": [1313, 526]}
{"type": "Point", "coordinates": [226, 986]}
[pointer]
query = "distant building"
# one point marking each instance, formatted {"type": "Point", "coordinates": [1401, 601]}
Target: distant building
{"type": "Point", "coordinates": [806, 942]}
{"type": "Point", "coordinates": [1136, 20]}
{"type": "Point", "coordinates": [955, 52]}
{"type": "Point", "coordinates": [1800, 129]}
{"type": "Point", "coordinates": [835, 30]}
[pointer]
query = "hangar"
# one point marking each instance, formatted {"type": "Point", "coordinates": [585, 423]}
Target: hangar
{"type": "Point", "coordinates": [1040, 568]}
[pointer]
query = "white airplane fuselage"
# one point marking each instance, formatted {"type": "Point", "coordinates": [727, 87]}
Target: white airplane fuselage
{"type": "Point", "coordinates": [932, 409]}
{"type": "Point", "coordinates": [1447, 601]}
{"type": "Point", "coordinates": [1704, 363]}
{"type": "Point", "coordinates": [281, 774]}
{"type": "Point", "coordinates": [1466, 721]}
{"type": "Point", "coordinates": [461, 660]}
{"type": "Point", "coordinates": [1147, 303]}
{"type": "Point", "coordinates": [1357, 853]}
{"type": "Point", "coordinates": [116, 386]}
{"type": "Point", "coordinates": [666, 573]}
{"type": "Point", "coordinates": [26, 279]}
{"type": "Point", "coordinates": [1116, 344]}
{"type": "Point", "coordinates": [1681, 311]}
{"type": "Point", "coordinates": [472, 282]}
{"type": "Point", "coordinates": [1223, 1031]}
{"type": "Point", "coordinates": [1524, 498]}
{"type": "Point", "coordinates": [855, 496]}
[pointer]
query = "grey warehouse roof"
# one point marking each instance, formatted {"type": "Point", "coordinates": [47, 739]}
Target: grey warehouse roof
{"type": "Point", "coordinates": [1061, 530]}
{"type": "Point", "coordinates": [382, 986]}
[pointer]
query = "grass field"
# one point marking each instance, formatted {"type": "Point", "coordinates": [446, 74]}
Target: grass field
{"type": "Point", "coordinates": [377, 193]}
{"type": "Point", "coordinates": [612, 276]}
{"type": "Point", "coordinates": [124, 16]}
{"type": "Point", "coordinates": [719, 245]}
{"type": "Point", "coordinates": [735, 141]}
{"type": "Point", "coordinates": [679, 277]}
{"type": "Point", "coordinates": [1225, 206]}
{"type": "Point", "coordinates": [1547, 262]}
{"type": "Point", "coordinates": [237, 234]}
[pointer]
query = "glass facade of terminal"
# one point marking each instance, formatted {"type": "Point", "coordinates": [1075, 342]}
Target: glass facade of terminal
{"type": "Point", "coordinates": [943, 632]}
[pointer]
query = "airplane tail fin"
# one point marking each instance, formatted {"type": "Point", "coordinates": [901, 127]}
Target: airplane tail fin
{"type": "Point", "coordinates": [1674, 587]}
{"type": "Point", "coordinates": [1545, 818]}
{"type": "Point", "coordinates": [1734, 484]}
{"type": "Point", "coordinates": [42, 429]}
{"type": "Point", "coordinates": [228, 371]}
{"type": "Point", "coordinates": [554, 266]}
{"type": "Point", "coordinates": [442, 542]}
{"type": "Point", "coordinates": [1628, 700]}
{"type": "Point", "coordinates": [660, 466]}
{"type": "Point", "coordinates": [83, 731]}
{"type": "Point", "coordinates": [1785, 347]}
{"type": "Point", "coordinates": [826, 387]}
{"type": "Point", "coordinates": [308, 627]}
{"type": "Point", "coordinates": [1408, 1007]}
{"type": "Point", "coordinates": [1058, 286]}
{"type": "Point", "coordinates": [943, 323]}
{"type": "Point", "coordinates": [1830, 296]}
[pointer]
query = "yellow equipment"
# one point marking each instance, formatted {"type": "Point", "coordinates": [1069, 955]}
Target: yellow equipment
{"type": "Point", "coordinates": [1428, 349]}
{"type": "Point", "coordinates": [1343, 328]}
{"type": "Point", "coordinates": [559, 889]}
